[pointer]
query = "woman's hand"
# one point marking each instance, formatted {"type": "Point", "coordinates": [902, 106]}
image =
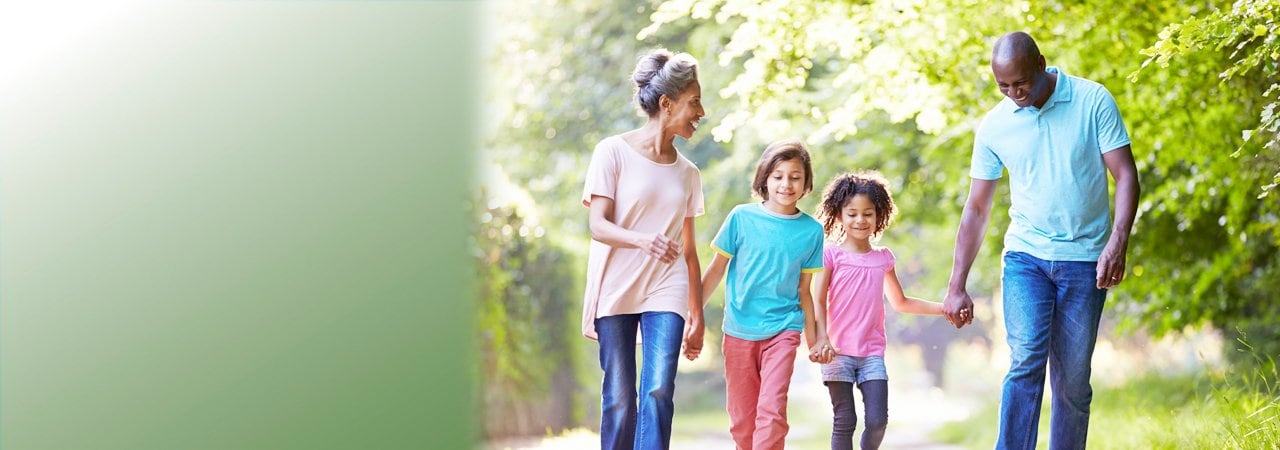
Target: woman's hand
{"type": "Point", "coordinates": [658, 246]}
{"type": "Point", "coordinates": [693, 331]}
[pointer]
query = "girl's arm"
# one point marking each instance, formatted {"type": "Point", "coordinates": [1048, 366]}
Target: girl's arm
{"type": "Point", "coordinates": [903, 304]}
{"type": "Point", "coordinates": [821, 281]}
{"type": "Point", "coordinates": [815, 330]}
{"type": "Point", "coordinates": [694, 329]}
{"type": "Point", "coordinates": [604, 229]}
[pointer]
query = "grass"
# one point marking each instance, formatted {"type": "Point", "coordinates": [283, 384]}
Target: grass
{"type": "Point", "coordinates": [1232, 410]}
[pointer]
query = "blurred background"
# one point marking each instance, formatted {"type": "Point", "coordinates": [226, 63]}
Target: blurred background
{"type": "Point", "coordinates": [1188, 341]}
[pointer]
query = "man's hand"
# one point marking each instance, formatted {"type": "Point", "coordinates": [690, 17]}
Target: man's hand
{"type": "Point", "coordinates": [1111, 265]}
{"type": "Point", "coordinates": [958, 308]}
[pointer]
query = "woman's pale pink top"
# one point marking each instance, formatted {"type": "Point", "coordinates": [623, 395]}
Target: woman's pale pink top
{"type": "Point", "coordinates": [648, 197]}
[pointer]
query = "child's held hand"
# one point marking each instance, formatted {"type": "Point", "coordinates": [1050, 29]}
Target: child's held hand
{"type": "Point", "coordinates": [822, 352]}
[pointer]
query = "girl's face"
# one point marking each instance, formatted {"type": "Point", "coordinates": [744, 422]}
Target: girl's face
{"type": "Point", "coordinates": [785, 186]}
{"type": "Point", "coordinates": [859, 218]}
{"type": "Point", "coordinates": [686, 111]}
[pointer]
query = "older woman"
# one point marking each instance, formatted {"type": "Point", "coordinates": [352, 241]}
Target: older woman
{"type": "Point", "coordinates": [642, 270]}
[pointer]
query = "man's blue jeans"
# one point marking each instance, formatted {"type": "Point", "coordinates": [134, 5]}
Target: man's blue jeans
{"type": "Point", "coordinates": [1051, 313]}
{"type": "Point", "coordinates": [620, 428]}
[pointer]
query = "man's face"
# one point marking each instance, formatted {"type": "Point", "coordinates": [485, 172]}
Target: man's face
{"type": "Point", "coordinates": [1024, 82]}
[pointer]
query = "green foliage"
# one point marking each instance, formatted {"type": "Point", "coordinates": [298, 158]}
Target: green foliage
{"type": "Point", "coordinates": [1249, 30]}
{"type": "Point", "coordinates": [526, 318]}
{"type": "Point", "coordinates": [832, 63]}
{"type": "Point", "coordinates": [1217, 259]}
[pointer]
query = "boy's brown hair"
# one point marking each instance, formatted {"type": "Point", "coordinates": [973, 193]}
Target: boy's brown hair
{"type": "Point", "coordinates": [778, 152]}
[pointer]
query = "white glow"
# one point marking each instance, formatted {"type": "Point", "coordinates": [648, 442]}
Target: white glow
{"type": "Point", "coordinates": [36, 35]}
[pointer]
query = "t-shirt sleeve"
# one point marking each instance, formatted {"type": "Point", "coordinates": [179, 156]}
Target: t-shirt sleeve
{"type": "Point", "coordinates": [726, 240]}
{"type": "Point", "coordinates": [1111, 131]}
{"type": "Point", "coordinates": [813, 262]}
{"type": "Point", "coordinates": [985, 164]}
{"type": "Point", "coordinates": [696, 204]}
{"type": "Point", "coordinates": [828, 256]}
{"type": "Point", "coordinates": [602, 175]}
{"type": "Point", "coordinates": [889, 259]}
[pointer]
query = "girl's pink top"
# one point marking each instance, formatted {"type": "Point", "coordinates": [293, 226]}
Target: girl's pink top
{"type": "Point", "coordinates": [855, 299]}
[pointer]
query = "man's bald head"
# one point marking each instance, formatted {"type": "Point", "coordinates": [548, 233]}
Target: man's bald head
{"type": "Point", "coordinates": [1016, 47]}
{"type": "Point", "coordinates": [1019, 70]}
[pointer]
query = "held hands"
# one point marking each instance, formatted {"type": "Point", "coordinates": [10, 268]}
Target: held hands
{"type": "Point", "coordinates": [693, 330]}
{"type": "Point", "coordinates": [821, 351]}
{"type": "Point", "coordinates": [658, 246]}
{"type": "Point", "coordinates": [958, 308]}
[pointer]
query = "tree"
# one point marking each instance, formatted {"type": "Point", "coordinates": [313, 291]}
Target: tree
{"type": "Point", "coordinates": [526, 318]}
{"type": "Point", "coordinates": [1234, 285]}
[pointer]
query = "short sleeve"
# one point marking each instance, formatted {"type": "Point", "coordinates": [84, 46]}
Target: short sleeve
{"type": "Point", "coordinates": [813, 262]}
{"type": "Point", "coordinates": [985, 164]}
{"type": "Point", "coordinates": [696, 204]}
{"type": "Point", "coordinates": [602, 174]}
{"type": "Point", "coordinates": [889, 260]}
{"type": "Point", "coordinates": [726, 240]}
{"type": "Point", "coordinates": [1111, 131]}
{"type": "Point", "coordinates": [828, 256]}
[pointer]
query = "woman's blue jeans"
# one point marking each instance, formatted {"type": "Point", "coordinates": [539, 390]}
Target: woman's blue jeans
{"type": "Point", "coordinates": [1051, 313]}
{"type": "Point", "coordinates": [622, 424]}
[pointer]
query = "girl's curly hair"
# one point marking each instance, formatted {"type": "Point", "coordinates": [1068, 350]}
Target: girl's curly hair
{"type": "Point", "coordinates": [843, 188]}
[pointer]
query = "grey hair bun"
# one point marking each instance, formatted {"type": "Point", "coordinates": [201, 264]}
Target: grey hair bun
{"type": "Point", "coordinates": [660, 73]}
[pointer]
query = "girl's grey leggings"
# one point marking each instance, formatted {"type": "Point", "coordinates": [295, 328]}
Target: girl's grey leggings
{"type": "Point", "coordinates": [875, 402]}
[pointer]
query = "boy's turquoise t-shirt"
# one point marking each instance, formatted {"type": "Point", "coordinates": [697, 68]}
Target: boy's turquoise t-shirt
{"type": "Point", "coordinates": [767, 252]}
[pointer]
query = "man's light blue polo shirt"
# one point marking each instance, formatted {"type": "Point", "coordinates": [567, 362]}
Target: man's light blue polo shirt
{"type": "Point", "coordinates": [768, 252]}
{"type": "Point", "coordinates": [1060, 208]}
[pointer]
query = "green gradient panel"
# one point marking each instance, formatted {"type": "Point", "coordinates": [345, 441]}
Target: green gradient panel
{"type": "Point", "coordinates": [236, 225]}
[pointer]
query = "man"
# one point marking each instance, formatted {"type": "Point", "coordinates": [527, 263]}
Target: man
{"type": "Point", "coordinates": [1058, 136]}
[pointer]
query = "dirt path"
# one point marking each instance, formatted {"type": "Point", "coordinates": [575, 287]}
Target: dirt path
{"type": "Point", "coordinates": [916, 409]}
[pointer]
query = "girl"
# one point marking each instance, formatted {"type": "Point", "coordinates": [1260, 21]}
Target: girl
{"type": "Point", "coordinates": [642, 267]}
{"type": "Point", "coordinates": [856, 277]}
{"type": "Point", "coordinates": [772, 249]}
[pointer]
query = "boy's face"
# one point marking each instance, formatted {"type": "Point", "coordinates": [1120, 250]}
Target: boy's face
{"type": "Point", "coordinates": [785, 185]}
